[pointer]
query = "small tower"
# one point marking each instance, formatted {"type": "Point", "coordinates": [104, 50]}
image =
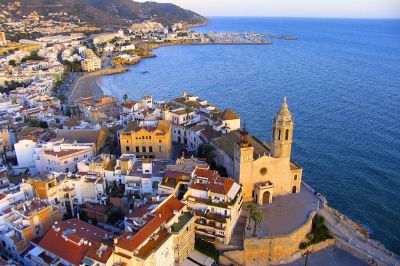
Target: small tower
{"type": "Point", "coordinates": [243, 164]}
{"type": "Point", "coordinates": [282, 132]}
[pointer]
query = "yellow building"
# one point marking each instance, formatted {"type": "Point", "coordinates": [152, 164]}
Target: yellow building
{"type": "Point", "coordinates": [29, 220]}
{"type": "Point", "coordinates": [91, 61]}
{"type": "Point", "coordinates": [183, 234]}
{"type": "Point", "coordinates": [152, 139]}
{"type": "Point", "coordinates": [265, 170]}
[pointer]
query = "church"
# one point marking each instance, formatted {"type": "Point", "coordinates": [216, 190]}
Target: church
{"type": "Point", "coordinates": [263, 169]}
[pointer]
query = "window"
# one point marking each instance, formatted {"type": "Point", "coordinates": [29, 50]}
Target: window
{"type": "Point", "coordinates": [287, 134]}
{"type": "Point", "coordinates": [295, 177]}
{"type": "Point", "coordinates": [150, 149]}
{"type": "Point", "coordinates": [279, 134]}
{"type": "Point", "coordinates": [160, 141]}
{"type": "Point", "coordinates": [263, 171]}
{"type": "Point", "coordinates": [160, 149]}
{"type": "Point", "coordinates": [127, 148]}
{"type": "Point", "coordinates": [137, 149]}
{"type": "Point", "coordinates": [144, 149]}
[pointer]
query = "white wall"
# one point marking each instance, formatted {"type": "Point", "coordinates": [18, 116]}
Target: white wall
{"type": "Point", "coordinates": [24, 150]}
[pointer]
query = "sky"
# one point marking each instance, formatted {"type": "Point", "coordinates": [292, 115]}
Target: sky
{"type": "Point", "coordinates": [293, 8]}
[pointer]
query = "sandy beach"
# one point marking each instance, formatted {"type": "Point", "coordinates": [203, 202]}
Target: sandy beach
{"type": "Point", "coordinates": [87, 85]}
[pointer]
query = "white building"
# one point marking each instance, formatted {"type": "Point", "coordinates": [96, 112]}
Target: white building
{"type": "Point", "coordinates": [61, 157]}
{"type": "Point", "coordinates": [129, 47]}
{"type": "Point", "coordinates": [227, 121]}
{"type": "Point", "coordinates": [24, 150]}
{"type": "Point", "coordinates": [145, 175]}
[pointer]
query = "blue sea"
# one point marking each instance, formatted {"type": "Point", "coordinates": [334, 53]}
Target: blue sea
{"type": "Point", "coordinates": [342, 81]}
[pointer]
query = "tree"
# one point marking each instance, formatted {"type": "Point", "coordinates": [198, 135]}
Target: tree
{"type": "Point", "coordinates": [188, 111]}
{"type": "Point", "coordinates": [63, 98]}
{"type": "Point", "coordinates": [251, 209]}
{"type": "Point", "coordinates": [12, 62]}
{"type": "Point", "coordinates": [43, 124]}
{"type": "Point", "coordinates": [257, 217]}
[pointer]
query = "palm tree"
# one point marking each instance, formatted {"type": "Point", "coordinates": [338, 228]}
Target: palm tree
{"type": "Point", "coordinates": [257, 217]}
{"type": "Point", "coordinates": [188, 110]}
{"type": "Point", "coordinates": [251, 209]}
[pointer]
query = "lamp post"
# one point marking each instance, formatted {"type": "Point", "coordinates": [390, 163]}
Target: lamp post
{"type": "Point", "coordinates": [307, 253]}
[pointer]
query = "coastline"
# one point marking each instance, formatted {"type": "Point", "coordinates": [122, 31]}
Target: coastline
{"type": "Point", "coordinates": [87, 85]}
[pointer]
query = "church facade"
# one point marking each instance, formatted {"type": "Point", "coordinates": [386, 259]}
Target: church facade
{"type": "Point", "coordinates": [263, 169]}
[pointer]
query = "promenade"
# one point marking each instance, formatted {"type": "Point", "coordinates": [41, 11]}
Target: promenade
{"type": "Point", "coordinates": [353, 241]}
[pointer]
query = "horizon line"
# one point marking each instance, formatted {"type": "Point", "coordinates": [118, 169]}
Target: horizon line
{"type": "Point", "coordinates": [310, 17]}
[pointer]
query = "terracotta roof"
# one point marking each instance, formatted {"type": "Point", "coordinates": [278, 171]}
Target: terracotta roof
{"type": "Point", "coordinates": [58, 242]}
{"type": "Point", "coordinates": [31, 138]}
{"type": "Point", "coordinates": [228, 114]}
{"type": "Point", "coordinates": [129, 104]}
{"type": "Point", "coordinates": [141, 211]}
{"type": "Point", "coordinates": [206, 173]}
{"type": "Point", "coordinates": [163, 213]}
{"type": "Point", "coordinates": [219, 185]}
{"type": "Point", "coordinates": [99, 252]}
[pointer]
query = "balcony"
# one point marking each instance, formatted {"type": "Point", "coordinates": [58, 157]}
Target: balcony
{"type": "Point", "coordinates": [212, 216]}
{"type": "Point", "coordinates": [264, 185]}
{"type": "Point", "coordinates": [211, 224]}
{"type": "Point", "coordinates": [208, 202]}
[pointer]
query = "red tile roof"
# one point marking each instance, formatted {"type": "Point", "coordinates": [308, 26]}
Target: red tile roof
{"type": "Point", "coordinates": [219, 185]}
{"type": "Point", "coordinates": [163, 213]}
{"type": "Point", "coordinates": [206, 173]}
{"type": "Point", "coordinates": [66, 246]}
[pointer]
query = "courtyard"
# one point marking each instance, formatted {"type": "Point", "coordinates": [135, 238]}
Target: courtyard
{"type": "Point", "coordinates": [285, 214]}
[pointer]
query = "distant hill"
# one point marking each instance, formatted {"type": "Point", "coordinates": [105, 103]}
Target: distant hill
{"type": "Point", "coordinates": [112, 12]}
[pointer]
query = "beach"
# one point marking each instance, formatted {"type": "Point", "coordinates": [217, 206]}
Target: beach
{"type": "Point", "coordinates": [87, 85]}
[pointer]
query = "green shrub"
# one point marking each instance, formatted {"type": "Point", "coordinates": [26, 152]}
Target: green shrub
{"type": "Point", "coordinates": [319, 233]}
{"type": "Point", "coordinates": [206, 248]}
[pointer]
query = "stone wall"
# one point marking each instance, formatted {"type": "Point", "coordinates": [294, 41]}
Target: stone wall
{"type": "Point", "coordinates": [276, 249]}
{"type": "Point", "coordinates": [271, 250]}
{"type": "Point", "coordinates": [352, 250]}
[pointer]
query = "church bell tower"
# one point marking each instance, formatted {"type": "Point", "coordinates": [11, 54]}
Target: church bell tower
{"type": "Point", "coordinates": [282, 132]}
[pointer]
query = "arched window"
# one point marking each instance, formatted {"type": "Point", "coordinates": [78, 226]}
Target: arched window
{"type": "Point", "coordinates": [295, 177]}
{"type": "Point", "coordinates": [279, 134]}
{"type": "Point", "coordinates": [287, 134]}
